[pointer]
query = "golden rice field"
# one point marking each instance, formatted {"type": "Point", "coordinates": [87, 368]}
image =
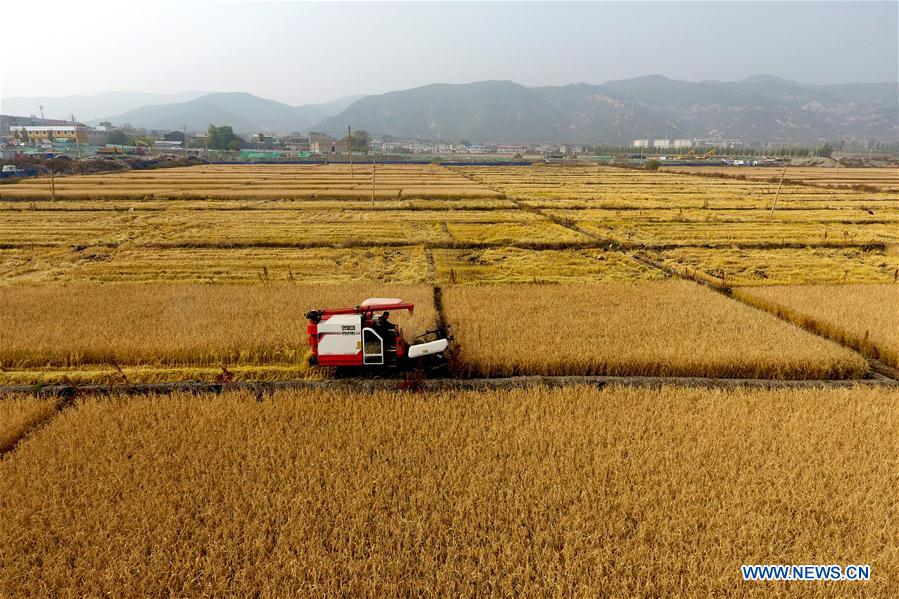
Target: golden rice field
{"type": "Point", "coordinates": [667, 328]}
{"type": "Point", "coordinates": [566, 211]}
{"type": "Point", "coordinates": [205, 273]}
{"type": "Point", "coordinates": [785, 266]}
{"type": "Point", "coordinates": [536, 224]}
{"type": "Point", "coordinates": [385, 265]}
{"type": "Point", "coordinates": [571, 492]}
{"type": "Point", "coordinates": [239, 181]}
{"type": "Point", "coordinates": [865, 317]}
{"type": "Point", "coordinates": [715, 234]}
{"type": "Point", "coordinates": [18, 415]}
{"type": "Point", "coordinates": [884, 179]}
{"type": "Point", "coordinates": [516, 265]}
{"type": "Point", "coordinates": [65, 326]}
{"type": "Point", "coordinates": [608, 187]}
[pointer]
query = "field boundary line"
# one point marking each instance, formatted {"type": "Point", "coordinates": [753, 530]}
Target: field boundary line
{"type": "Point", "coordinates": [438, 384]}
{"type": "Point", "coordinates": [65, 397]}
{"type": "Point", "coordinates": [594, 242]}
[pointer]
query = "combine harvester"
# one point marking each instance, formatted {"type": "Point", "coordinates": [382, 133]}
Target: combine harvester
{"type": "Point", "coordinates": [354, 341]}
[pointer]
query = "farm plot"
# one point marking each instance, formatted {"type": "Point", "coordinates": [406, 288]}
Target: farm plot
{"type": "Point", "coordinates": [19, 414]}
{"type": "Point", "coordinates": [883, 179]}
{"type": "Point", "coordinates": [865, 317]}
{"type": "Point", "coordinates": [33, 263]}
{"type": "Point", "coordinates": [214, 228]}
{"type": "Point", "coordinates": [762, 218]}
{"type": "Point", "coordinates": [28, 229]}
{"type": "Point", "coordinates": [578, 491]}
{"type": "Point", "coordinates": [515, 265]}
{"type": "Point", "coordinates": [248, 265]}
{"type": "Point", "coordinates": [554, 186]}
{"type": "Point", "coordinates": [175, 325]}
{"type": "Point", "coordinates": [734, 266]}
{"type": "Point", "coordinates": [258, 182]}
{"type": "Point", "coordinates": [712, 234]}
{"type": "Point", "coordinates": [536, 233]}
{"type": "Point", "coordinates": [666, 328]}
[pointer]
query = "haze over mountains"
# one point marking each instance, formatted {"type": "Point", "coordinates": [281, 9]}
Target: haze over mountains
{"type": "Point", "coordinates": [762, 108]}
{"type": "Point", "coordinates": [88, 107]}
{"type": "Point", "coordinates": [245, 112]}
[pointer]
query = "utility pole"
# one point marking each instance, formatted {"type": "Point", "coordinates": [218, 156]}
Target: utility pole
{"type": "Point", "coordinates": [52, 182]}
{"type": "Point", "coordinates": [184, 133]}
{"type": "Point", "coordinates": [349, 145]}
{"type": "Point", "coordinates": [373, 180]}
{"type": "Point", "coordinates": [75, 131]}
{"type": "Point", "coordinates": [776, 195]}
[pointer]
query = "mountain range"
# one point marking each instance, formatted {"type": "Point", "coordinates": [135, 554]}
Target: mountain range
{"type": "Point", "coordinates": [88, 107]}
{"type": "Point", "coordinates": [761, 108]}
{"type": "Point", "coordinates": [245, 113]}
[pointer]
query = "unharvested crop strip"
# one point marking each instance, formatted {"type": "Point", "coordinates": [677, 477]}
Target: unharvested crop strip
{"type": "Point", "coordinates": [65, 397]}
{"type": "Point", "coordinates": [806, 324]}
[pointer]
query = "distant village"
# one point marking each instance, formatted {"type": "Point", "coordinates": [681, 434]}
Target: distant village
{"type": "Point", "coordinates": [30, 134]}
{"type": "Point", "coordinates": [33, 136]}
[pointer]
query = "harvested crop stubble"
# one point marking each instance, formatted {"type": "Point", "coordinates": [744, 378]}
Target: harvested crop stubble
{"type": "Point", "coordinates": [885, 179]}
{"type": "Point", "coordinates": [865, 317]}
{"type": "Point", "coordinates": [574, 492]}
{"type": "Point", "coordinates": [848, 215]}
{"type": "Point", "coordinates": [263, 181]}
{"type": "Point", "coordinates": [28, 229]}
{"type": "Point", "coordinates": [18, 415]}
{"type": "Point", "coordinates": [545, 232]}
{"type": "Point", "coordinates": [603, 186]}
{"type": "Point", "coordinates": [252, 265]}
{"type": "Point", "coordinates": [197, 325]}
{"type": "Point", "coordinates": [516, 265]}
{"type": "Point", "coordinates": [728, 233]}
{"type": "Point", "coordinates": [272, 227]}
{"type": "Point", "coordinates": [663, 328]}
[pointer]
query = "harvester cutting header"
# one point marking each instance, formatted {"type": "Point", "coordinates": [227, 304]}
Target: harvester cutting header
{"type": "Point", "coordinates": [354, 338]}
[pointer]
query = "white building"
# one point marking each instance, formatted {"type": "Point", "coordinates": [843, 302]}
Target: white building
{"type": "Point", "coordinates": [641, 143]}
{"type": "Point", "coordinates": [47, 133]}
{"type": "Point", "coordinates": [683, 143]}
{"type": "Point", "coordinates": [511, 149]}
{"type": "Point", "coordinates": [661, 143]}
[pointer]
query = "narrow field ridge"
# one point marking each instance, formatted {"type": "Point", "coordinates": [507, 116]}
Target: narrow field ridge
{"type": "Point", "coordinates": [445, 384]}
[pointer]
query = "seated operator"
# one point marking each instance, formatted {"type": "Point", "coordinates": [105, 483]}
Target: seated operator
{"type": "Point", "coordinates": [384, 325]}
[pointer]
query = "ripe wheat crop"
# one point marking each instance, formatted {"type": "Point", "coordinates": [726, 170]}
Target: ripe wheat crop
{"type": "Point", "coordinates": [571, 492]}
{"type": "Point", "coordinates": [666, 328]}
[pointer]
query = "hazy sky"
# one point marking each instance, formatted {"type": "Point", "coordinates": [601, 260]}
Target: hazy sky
{"type": "Point", "coordinates": [312, 52]}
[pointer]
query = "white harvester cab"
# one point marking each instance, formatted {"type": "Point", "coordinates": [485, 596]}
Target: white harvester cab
{"type": "Point", "coordinates": [357, 337]}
